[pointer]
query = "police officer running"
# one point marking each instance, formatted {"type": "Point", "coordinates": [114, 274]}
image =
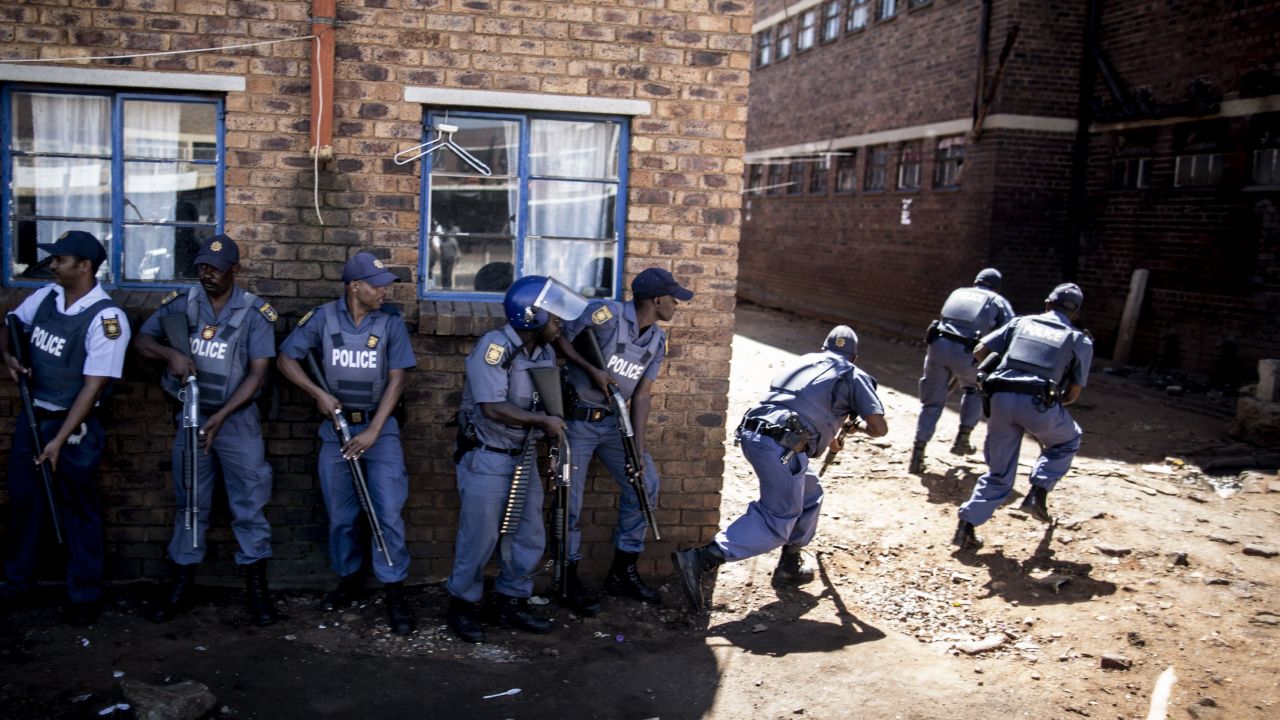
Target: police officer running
{"type": "Point", "coordinates": [1044, 365]}
{"type": "Point", "coordinates": [231, 335]}
{"type": "Point", "coordinates": [78, 337]}
{"type": "Point", "coordinates": [800, 417]}
{"type": "Point", "coordinates": [633, 347]}
{"type": "Point", "coordinates": [364, 352]}
{"type": "Point", "coordinates": [498, 421]}
{"type": "Point", "coordinates": [967, 315]}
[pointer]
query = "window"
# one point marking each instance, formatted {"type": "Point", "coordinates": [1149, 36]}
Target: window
{"type": "Point", "coordinates": [887, 9]}
{"type": "Point", "coordinates": [142, 173]}
{"type": "Point", "coordinates": [777, 177]}
{"type": "Point", "coordinates": [831, 20]}
{"type": "Point", "coordinates": [856, 17]}
{"type": "Point", "coordinates": [1199, 148]}
{"type": "Point", "coordinates": [784, 41]}
{"type": "Point", "coordinates": [755, 179]}
{"type": "Point", "coordinates": [950, 162]}
{"type": "Point", "coordinates": [909, 165]}
{"type": "Point", "coordinates": [846, 171]}
{"type": "Point", "coordinates": [795, 177]}
{"type": "Point", "coordinates": [553, 205]}
{"type": "Point", "coordinates": [808, 30]}
{"type": "Point", "coordinates": [818, 175]}
{"type": "Point", "coordinates": [877, 162]}
{"type": "Point", "coordinates": [1265, 135]}
{"type": "Point", "coordinates": [1131, 164]}
{"type": "Point", "coordinates": [764, 48]}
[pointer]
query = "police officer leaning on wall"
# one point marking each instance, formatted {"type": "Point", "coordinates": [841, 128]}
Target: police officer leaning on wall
{"type": "Point", "coordinates": [497, 420]}
{"type": "Point", "coordinates": [364, 352]}
{"type": "Point", "coordinates": [232, 339]}
{"type": "Point", "coordinates": [1043, 367]}
{"type": "Point", "coordinates": [633, 347]}
{"type": "Point", "coordinates": [967, 315]}
{"type": "Point", "coordinates": [77, 347]}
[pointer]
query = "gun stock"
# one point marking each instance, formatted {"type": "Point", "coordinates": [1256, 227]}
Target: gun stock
{"type": "Point", "coordinates": [18, 346]}
{"type": "Point", "coordinates": [550, 391]}
{"type": "Point", "coordinates": [849, 426]}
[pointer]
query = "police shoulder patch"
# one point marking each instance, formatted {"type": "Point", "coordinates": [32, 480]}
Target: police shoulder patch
{"type": "Point", "coordinates": [269, 312]}
{"type": "Point", "coordinates": [111, 327]}
{"type": "Point", "coordinates": [493, 354]}
{"type": "Point", "coordinates": [306, 317]}
{"type": "Point", "coordinates": [601, 315]}
{"type": "Point", "coordinates": [173, 295]}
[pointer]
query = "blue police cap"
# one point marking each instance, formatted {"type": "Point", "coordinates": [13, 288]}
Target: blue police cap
{"type": "Point", "coordinates": [366, 267]}
{"type": "Point", "coordinates": [76, 242]}
{"type": "Point", "coordinates": [219, 252]}
{"type": "Point", "coordinates": [990, 277]}
{"type": "Point", "coordinates": [656, 282]}
{"type": "Point", "coordinates": [1067, 296]}
{"type": "Point", "coordinates": [843, 340]}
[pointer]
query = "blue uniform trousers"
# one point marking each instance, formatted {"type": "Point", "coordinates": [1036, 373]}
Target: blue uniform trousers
{"type": "Point", "coordinates": [484, 483]}
{"type": "Point", "coordinates": [1012, 414]}
{"type": "Point", "coordinates": [787, 511]}
{"type": "Point", "coordinates": [945, 358]}
{"type": "Point", "coordinates": [79, 509]}
{"type": "Point", "coordinates": [388, 483]}
{"type": "Point", "coordinates": [237, 455]}
{"type": "Point", "coordinates": [603, 440]}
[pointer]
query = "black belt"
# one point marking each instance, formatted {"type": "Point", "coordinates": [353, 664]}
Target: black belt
{"type": "Point", "coordinates": [769, 430]}
{"type": "Point", "coordinates": [590, 414]}
{"type": "Point", "coordinates": [358, 417]}
{"type": "Point", "coordinates": [502, 451]}
{"type": "Point", "coordinates": [969, 343]}
{"type": "Point", "coordinates": [991, 387]}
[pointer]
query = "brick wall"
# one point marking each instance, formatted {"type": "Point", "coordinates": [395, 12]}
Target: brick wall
{"type": "Point", "coordinates": [689, 59]}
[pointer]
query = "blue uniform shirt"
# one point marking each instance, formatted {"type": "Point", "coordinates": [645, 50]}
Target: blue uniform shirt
{"type": "Point", "coordinates": [497, 371]}
{"type": "Point", "coordinates": [306, 336]}
{"type": "Point", "coordinates": [261, 337]}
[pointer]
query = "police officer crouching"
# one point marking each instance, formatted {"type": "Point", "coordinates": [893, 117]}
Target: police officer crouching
{"type": "Point", "coordinates": [499, 424]}
{"type": "Point", "coordinates": [77, 342]}
{"type": "Point", "coordinates": [231, 335]}
{"type": "Point", "coordinates": [364, 352]}
{"type": "Point", "coordinates": [1044, 364]}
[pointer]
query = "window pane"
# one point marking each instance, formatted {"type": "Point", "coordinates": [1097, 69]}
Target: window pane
{"type": "Point", "coordinates": [571, 209]}
{"type": "Point", "coordinates": [470, 263]}
{"type": "Point", "coordinates": [162, 252]}
{"type": "Point", "coordinates": [170, 130]}
{"type": "Point", "coordinates": [474, 205]}
{"type": "Point", "coordinates": [495, 143]}
{"type": "Point", "coordinates": [64, 124]}
{"type": "Point", "coordinates": [28, 233]}
{"type": "Point", "coordinates": [584, 265]}
{"type": "Point", "coordinates": [564, 148]}
{"type": "Point", "coordinates": [168, 192]}
{"type": "Point", "coordinates": [62, 187]}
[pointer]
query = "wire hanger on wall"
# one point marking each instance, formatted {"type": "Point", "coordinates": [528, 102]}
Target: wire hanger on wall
{"type": "Point", "coordinates": [443, 139]}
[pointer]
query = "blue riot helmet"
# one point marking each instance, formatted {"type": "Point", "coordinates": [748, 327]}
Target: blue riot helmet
{"type": "Point", "coordinates": [533, 299]}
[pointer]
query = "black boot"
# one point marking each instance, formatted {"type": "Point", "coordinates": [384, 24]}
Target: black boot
{"type": "Point", "coordinates": [577, 598]}
{"type": "Point", "coordinates": [174, 596]}
{"type": "Point", "coordinates": [916, 465]}
{"type": "Point", "coordinates": [690, 565]}
{"type": "Point", "coordinates": [399, 616]}
{"type": "Point", "coordinates": [624, 579]}
{"type": "Point", "coordinates": [464, 619]}
{"type": "Point", "coordinates": [262, 611]}
{"type": "Point", "coordinates": [1036, 504]}
{"type": "Point", "coordinates": [795, 565]}
{"type": "Point", "coordinates": [962, 446]}
{"type": "Point", "coordinates": [965, 538]}
{"type": "Point", "coordinates": [514, 612]}
{"type": "Point", "coordinates": [349, 590]}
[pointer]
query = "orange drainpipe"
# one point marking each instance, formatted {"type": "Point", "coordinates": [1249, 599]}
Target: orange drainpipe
{"type": "Point", "coordinates": [323, 19]}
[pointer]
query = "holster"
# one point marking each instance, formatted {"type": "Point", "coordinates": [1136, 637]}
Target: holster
{"type": "Point", "coordinates": [465, 441]}
{"type": "Point", "coordinates": [931, 333]}
{"type": "Point", "coordinates": [794, 437]}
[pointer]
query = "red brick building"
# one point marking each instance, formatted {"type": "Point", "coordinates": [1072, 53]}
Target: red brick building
{"type": "Point", "coordinates": [895, 147]}
{"type": "Point", "coordinates": [607, 137]}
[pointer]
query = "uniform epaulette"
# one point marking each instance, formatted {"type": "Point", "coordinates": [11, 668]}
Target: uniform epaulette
{"type": "Point", "coordinates": [173, 295]}
{"type": "Point", "coordinates": [269, 312]}
{"type": "Point", "coordinates": [306, 317]}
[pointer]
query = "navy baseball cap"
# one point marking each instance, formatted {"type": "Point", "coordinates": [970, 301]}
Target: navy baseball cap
{"type": "Point", "coordinates": [843, 340]}
{"type": "Point", "coordinates": [366, 267]}
{"type": "Point", "coordinates": [656, 282]}
{"type": "Point", "coordinates": [990, 277]}
{"type": "Point", "coordinates": [1067, 296]}
{"type": "Point", "coordinates": [75, 242]}
{"type": "Point", "coordinates": [219, 252]}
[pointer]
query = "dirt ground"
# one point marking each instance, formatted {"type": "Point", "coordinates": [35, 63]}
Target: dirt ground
{"type": "Point", "coordinates": [1151, 561]}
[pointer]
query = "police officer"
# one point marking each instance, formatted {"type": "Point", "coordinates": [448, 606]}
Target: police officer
{"type": "Point", "coordinates": [633, 347]}
{"type": "Point", "coordinates": [498, 419]}
{"type": "Point", "coordinates": [78, 337]}
{"type": "Point", "coordinates": [967, 315]}
{"type": "Point", "coordinates": [231, 335]}
{"type": "Point", "coordinates": [364, 352]}
{"type": "Point", "coordinates": [800, 417]}
{"type": "Point", "coordinates": [1044, 364]}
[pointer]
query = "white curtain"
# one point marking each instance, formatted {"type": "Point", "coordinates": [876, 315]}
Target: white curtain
{"type": "Point", "coordinates": [152, 130]}
{"type": "Point", "coordinates": [70, 187]}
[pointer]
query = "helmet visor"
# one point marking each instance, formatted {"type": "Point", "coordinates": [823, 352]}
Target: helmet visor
{"type": "Point", "coordinates": [560, 300]}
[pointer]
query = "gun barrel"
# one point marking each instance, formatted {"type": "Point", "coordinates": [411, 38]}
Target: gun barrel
{"type": "Point", "coordinates": [17, 346]}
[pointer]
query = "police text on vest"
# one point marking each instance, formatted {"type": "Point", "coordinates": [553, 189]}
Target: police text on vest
{"type": "Point", "coordinates": [354, 358]}
{"type": "Point", "coordinates": [622, 368]}
{"type": "Point", "coordinates": [45, 341]}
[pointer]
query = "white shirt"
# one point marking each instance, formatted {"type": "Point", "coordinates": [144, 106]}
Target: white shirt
{"type": "Point", "coordinates": [104, 356]}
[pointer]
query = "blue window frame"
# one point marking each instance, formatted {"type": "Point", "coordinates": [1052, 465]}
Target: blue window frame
{"type": "Point", "coordinates": [142, 172]}
{"type": "Point", "coordinates": [554, 203]}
